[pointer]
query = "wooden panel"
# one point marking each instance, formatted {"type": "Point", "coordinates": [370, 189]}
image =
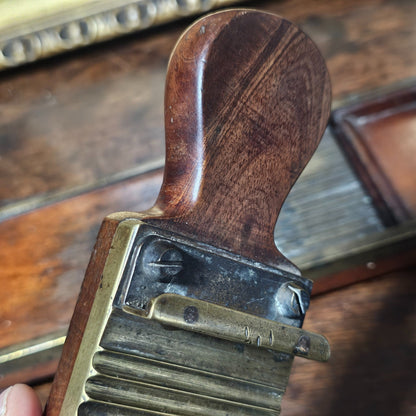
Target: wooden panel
{"type": "Point", "coordinates": [44, 255]}
{"type": "Point", "coordinates": [379, 137]}
{"type": "Point", "coordinates": [327, 213]}
{"type": "Point", "coordinates": [72, 122]}
{"type": "Point", "coordinates": [371, 329]}
{"type": "Point", "coordinates": [84, 117]}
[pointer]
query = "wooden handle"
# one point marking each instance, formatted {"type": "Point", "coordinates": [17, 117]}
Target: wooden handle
{"type": "Point", "coordinates": [247, 101]}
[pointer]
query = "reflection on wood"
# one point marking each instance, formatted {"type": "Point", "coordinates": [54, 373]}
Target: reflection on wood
{"type": "Point", "coordinates": [44, 255]}
{"type": "Point", "coordinates": [94, 118]}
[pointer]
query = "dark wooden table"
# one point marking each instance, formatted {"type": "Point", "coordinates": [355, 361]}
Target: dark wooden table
{"type": "Point", "coordinates": [81, 136]}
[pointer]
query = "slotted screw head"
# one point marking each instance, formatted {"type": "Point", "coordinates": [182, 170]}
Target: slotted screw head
{"type": "Point", "coordinates": [162, 260]}
{"type": "Point", "coordinates": [293, 301]}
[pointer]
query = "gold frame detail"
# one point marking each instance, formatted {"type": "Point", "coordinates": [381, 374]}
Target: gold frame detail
{"type": "Point", "coordinates": [34, 30]}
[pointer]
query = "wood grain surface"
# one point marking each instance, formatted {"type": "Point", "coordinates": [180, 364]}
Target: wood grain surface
{"type": "Point", "coordinates": [44, 255]}
{"type": "Point", "coordinates": [244, 112]}
{"type": "Point", "coordinates": [80, 133]}
{"type": "Point", "coordinates": [83, 118]}
{"type": "Point", "coordinates": [76, 123]}
{"type": "Point", "coordinates": [379, 138]}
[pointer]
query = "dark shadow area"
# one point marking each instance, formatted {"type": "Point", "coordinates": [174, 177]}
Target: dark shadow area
{"type": "Point", "coordinates": [380, 371]}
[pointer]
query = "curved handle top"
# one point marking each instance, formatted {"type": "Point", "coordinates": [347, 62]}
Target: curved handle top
{"type": "Point", "coordinates": [247, 100]}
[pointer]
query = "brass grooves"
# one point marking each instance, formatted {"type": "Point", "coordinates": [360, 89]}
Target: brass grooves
{"type": "Point", "coordinates": [150, 367]}
{"type": "Point", "coordinates": [186, 381]}
{"type": "Point", "coordinates": [132, 365]}
{"type": "Point", "coordinates": [170, 401]}
{"type": "Point", "coordinates": [101, 309]}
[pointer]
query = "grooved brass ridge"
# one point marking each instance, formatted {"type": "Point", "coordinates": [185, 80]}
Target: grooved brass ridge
{"type": "Point", "coordinates": [224, 323]}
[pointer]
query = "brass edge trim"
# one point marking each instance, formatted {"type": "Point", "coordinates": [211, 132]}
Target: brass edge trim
{"type": "Point", "coordinates": [113, 270]}
{"type": "Point", "coordinates": [73, 30]}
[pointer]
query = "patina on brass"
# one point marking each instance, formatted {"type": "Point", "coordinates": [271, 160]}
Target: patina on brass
{"type": "Point", "coordinates": [220, 322]}
{"type": "Point", "coordinates": [168, 352]}
{"type": "Point", "coordinates": [197, 313]}
{"type": "Point", "coordinates": [101, 309]}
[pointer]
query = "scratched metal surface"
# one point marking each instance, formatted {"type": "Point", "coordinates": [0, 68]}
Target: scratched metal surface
{"type": "Point", "coordinates": [327, 209]}
{"type": "Point", "coordinates": [326, 212]}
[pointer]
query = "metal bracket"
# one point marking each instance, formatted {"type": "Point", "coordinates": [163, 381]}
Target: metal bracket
{"type": "Point", "coordinates": [218, 321]}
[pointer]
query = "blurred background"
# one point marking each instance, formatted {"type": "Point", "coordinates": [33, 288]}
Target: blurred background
{"type": "Point", "coordinates": [82, 136]}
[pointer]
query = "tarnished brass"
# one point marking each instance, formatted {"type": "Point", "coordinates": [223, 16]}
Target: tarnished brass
{"type": "Point", "coordinates": [197, 312]}
{"type": "Point", "coordinates": [101, 309]}
{"type": "Point", "coordinates": [220, 322]}
{"type": "Point", "coordinates": [178, 355]}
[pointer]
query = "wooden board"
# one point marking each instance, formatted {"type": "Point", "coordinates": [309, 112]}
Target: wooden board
{"type": "Point", "coordinates": [45, 253]}
{"type": "Point", "coordinates": [74, 122]}
{"type": "Point", "coordinates": [81, 135]}
{"type": "Point", "coordinates": [379, 138]}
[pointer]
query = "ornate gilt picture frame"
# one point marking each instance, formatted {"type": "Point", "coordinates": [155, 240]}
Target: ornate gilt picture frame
{"type": "Point", "coordinates": [32, 30]}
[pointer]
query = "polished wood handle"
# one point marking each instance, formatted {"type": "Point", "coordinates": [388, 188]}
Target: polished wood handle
{"type": "Point", "coordinates": [247, 101]}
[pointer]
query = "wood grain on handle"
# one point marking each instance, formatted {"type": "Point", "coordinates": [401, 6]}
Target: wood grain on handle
{"type": "Point", "coordinates": [247, 101]}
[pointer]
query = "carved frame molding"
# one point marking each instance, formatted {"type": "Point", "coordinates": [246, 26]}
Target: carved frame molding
{"type": "Point", "coordinates": [28, 35]}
